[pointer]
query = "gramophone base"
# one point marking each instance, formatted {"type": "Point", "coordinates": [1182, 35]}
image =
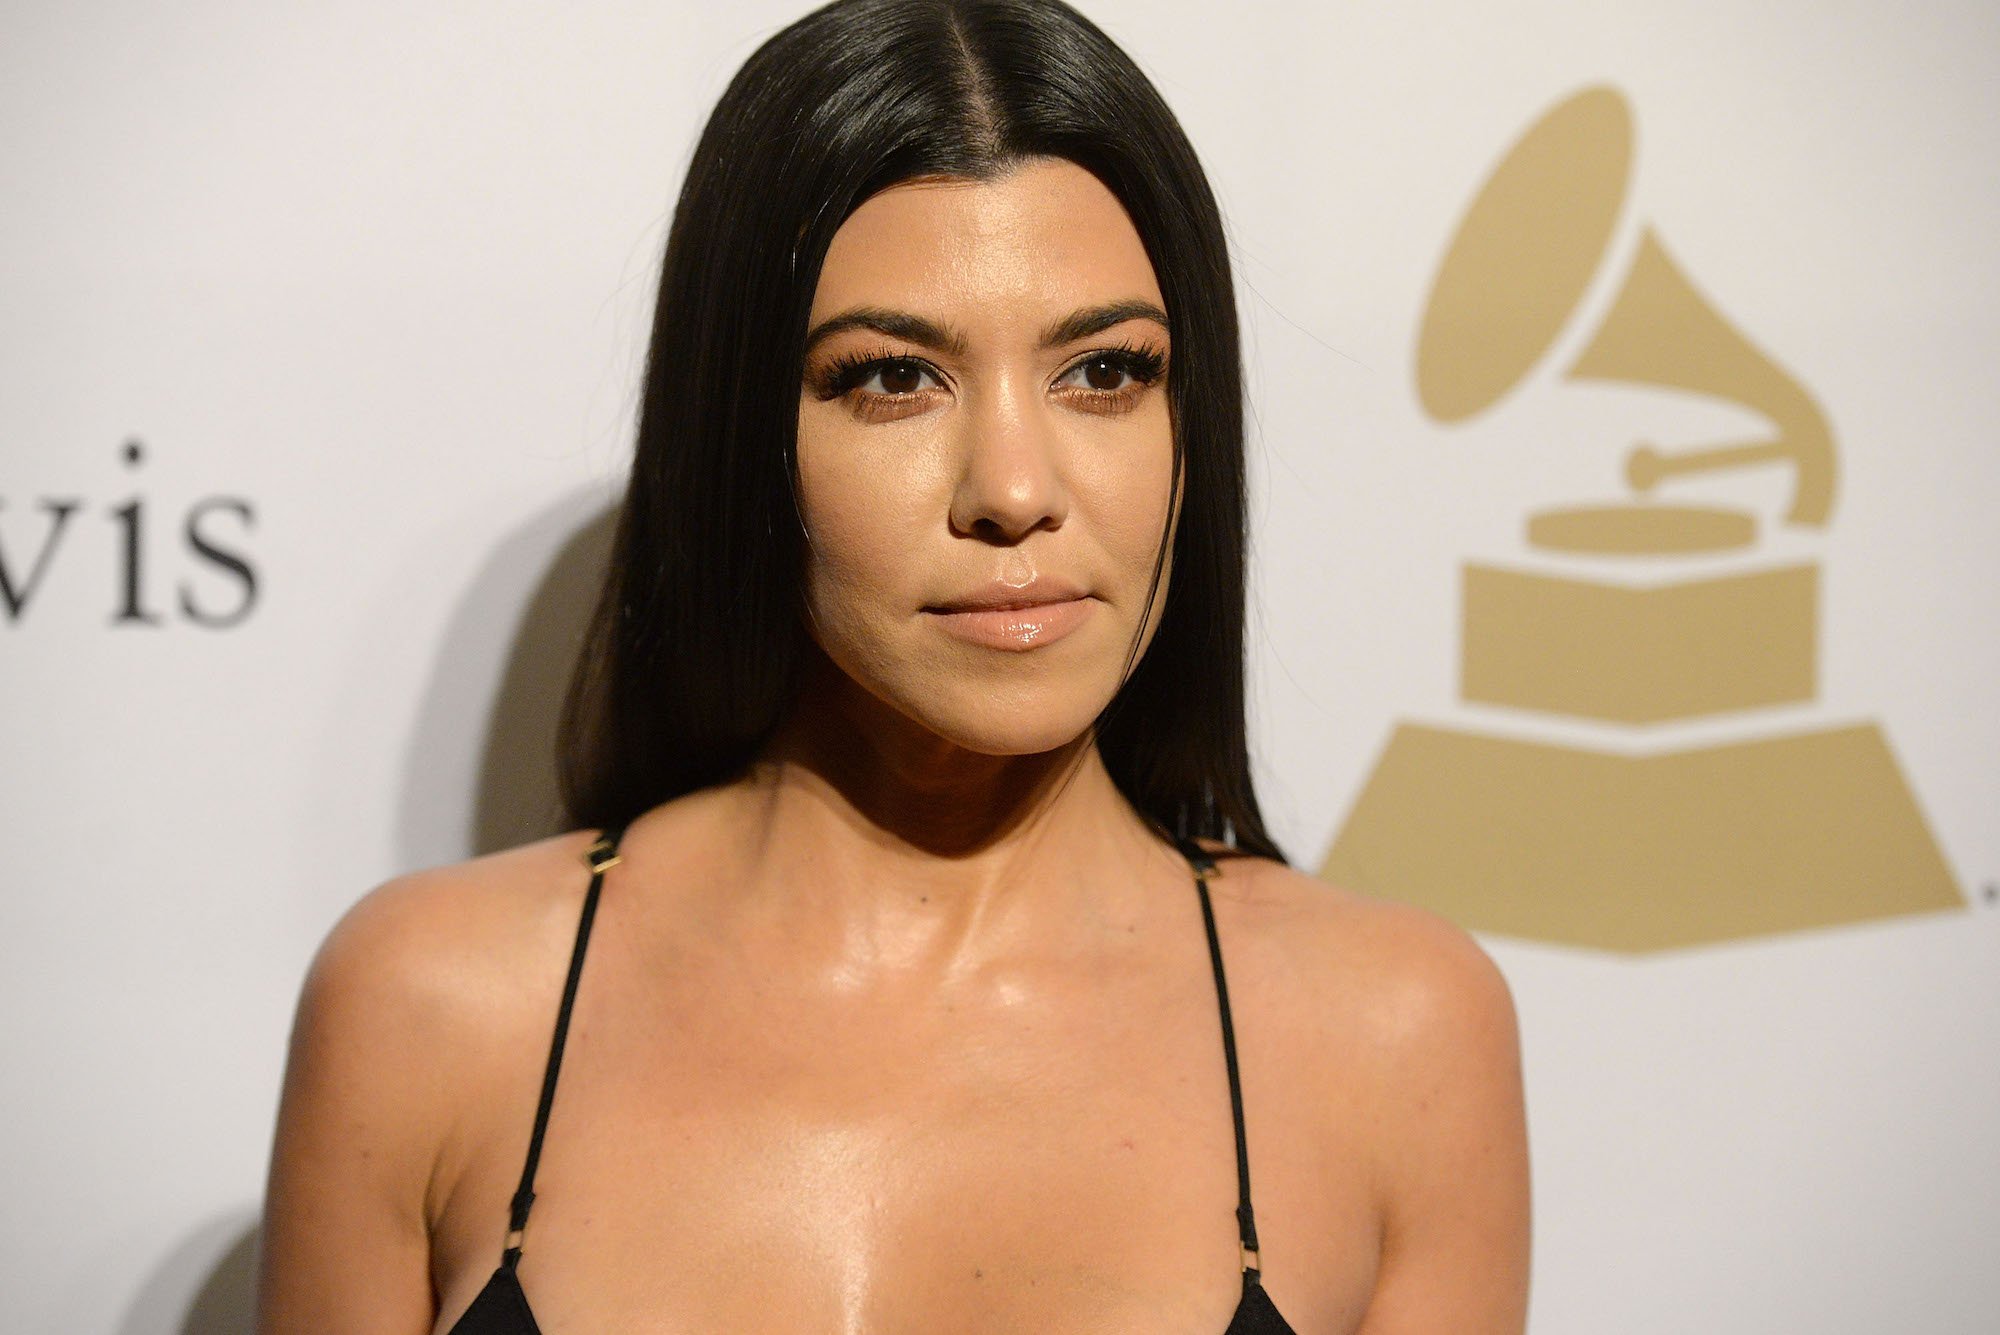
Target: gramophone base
{"type": "Point", "coordinates": [1637, 853]}
{"type": "Point", "coordinates": [1620, 653]}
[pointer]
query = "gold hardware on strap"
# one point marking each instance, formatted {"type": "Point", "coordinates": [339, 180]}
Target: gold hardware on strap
{"type": "Point", "coordinates": [602, 857]}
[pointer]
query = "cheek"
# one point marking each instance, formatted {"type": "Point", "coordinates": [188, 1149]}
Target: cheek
{"type": "Point", "coordinates": [864, 510]}
{"type": "Point", "coordinates": [1126, 494]}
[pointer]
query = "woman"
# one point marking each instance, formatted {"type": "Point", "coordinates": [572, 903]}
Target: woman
{"type": "Point", "coordinates": [909, 739]}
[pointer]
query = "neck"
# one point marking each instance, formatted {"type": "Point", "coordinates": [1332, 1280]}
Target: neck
{"type": "Point", "coordinates": [899, 785]}
{"type": "Point", "coordinates": [876, 837]}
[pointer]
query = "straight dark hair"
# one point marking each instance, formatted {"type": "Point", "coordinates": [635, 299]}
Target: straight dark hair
{"type": "Point", "coordinates": [695, 651]}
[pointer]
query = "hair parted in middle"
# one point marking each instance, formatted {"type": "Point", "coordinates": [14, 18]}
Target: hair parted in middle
{"type": "Point", "coordinates": [695, 651]}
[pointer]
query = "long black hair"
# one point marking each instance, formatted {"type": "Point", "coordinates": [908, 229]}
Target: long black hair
{"type": "Point", "coordinates": [696, 649]}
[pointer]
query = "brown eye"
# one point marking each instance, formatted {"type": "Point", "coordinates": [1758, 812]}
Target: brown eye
{"type": "Point", "coordinates": [900, 377]}
{"type": "Point", "coordinates": [1115, 370]}
{"type": "Point", "coordinates": [883, 377]}
{"type": "Point", "coordinates": [1101, 373]}
{"type": "Point", "coordinates": [875, 378]}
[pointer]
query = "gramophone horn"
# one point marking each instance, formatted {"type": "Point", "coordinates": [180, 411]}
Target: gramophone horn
{"type": "Point", "coordinates": [1660, 331]}
{"type": "Point", "coordinates": [1522, 260]}
{"type": "Point", "coordinates": [1524, 255]}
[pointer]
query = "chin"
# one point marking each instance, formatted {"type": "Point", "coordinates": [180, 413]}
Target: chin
{"type": "Point", "coordinates": [998, 739]}
{"type": "Point", "coordinates": [989, 703]}
{"type": "Point", "coordinates": [1009, 721]}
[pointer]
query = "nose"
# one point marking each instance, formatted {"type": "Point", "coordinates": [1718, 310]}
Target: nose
{"type": "Point", "coordinates": [1009, 482]}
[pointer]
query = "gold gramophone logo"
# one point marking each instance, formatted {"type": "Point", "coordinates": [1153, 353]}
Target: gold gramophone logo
{"type": "Point", "coordinates": [1662, 843]}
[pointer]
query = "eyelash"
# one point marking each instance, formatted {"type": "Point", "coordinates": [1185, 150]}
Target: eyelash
{"type": "Point", "coordinates": [1144, 365]}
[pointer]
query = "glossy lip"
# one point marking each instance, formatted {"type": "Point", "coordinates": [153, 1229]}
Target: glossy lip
{"type": "Point", "coordinates": [1015, 618]}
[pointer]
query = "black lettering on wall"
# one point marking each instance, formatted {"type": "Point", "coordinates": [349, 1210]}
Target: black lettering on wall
{"type": "Point", "coordinates": [129, 514]}
{"type": "Point", "coordinates": [16, 594]}
{"type": "Point", "coordinates": [130, 519]}
{"type": "Point", "coordinates": [229, 559]}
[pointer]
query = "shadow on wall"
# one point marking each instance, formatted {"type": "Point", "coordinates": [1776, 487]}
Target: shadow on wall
{"type": "Point", "coordinates": [206, 1286]}
{"type": "Point", "coordinates": [479, 774]}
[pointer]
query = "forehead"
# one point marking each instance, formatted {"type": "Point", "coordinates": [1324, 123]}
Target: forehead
{"type": "Point", "coordinates": [1047, 237]}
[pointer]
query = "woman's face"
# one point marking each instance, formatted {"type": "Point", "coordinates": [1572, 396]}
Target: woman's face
{"type": "Point", "coordinates": [984, 453]}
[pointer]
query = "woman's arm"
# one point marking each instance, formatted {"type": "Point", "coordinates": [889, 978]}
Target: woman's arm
{"type": "Point", "coordinates": [345, 1244]}
{"type": "Point", "coordinates": [1455, 1152]}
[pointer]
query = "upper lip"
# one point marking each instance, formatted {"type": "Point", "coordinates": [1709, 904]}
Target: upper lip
{"type": "Point", "coordinates": [1002, 597]}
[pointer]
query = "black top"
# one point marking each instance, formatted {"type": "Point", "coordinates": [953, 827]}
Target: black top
{"type": "Point", "coordinates": [502, 1307]}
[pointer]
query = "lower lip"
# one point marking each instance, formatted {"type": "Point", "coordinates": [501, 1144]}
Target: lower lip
{"type": "Point", "coordinates": [1016, 628]}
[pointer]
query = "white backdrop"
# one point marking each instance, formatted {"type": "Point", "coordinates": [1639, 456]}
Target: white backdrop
{"type": "Point", "coordinates": [377, 275]}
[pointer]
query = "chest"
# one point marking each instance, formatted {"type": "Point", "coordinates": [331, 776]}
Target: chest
{"type": "Point", "coordinates": [769, 1162]}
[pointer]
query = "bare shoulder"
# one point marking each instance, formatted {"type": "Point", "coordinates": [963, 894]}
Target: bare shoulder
{"type": "Point", "coordinates": [1406, 1027]}
{"type": "Point", "coordinates": [438, 943]}
{"type": "Point", "coordinates": [425, 982]}
{"type": "Point", "coordinates": [408, 1005]}
{"type": "Point", "coordinates": [1401, 983]}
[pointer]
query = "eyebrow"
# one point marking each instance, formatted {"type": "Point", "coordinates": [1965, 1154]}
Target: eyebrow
{"type": "Point", "coordinates": [916, 329]}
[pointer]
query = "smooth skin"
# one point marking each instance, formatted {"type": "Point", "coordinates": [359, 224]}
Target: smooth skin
{"type": "Point", "coordinates": [911, 1028]}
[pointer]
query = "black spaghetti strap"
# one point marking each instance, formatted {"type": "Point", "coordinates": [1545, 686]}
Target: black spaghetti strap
{"type": "Point", "coordinates": [602, 856]}
{"type": "Point", "coordinates": [1246, 1219]}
